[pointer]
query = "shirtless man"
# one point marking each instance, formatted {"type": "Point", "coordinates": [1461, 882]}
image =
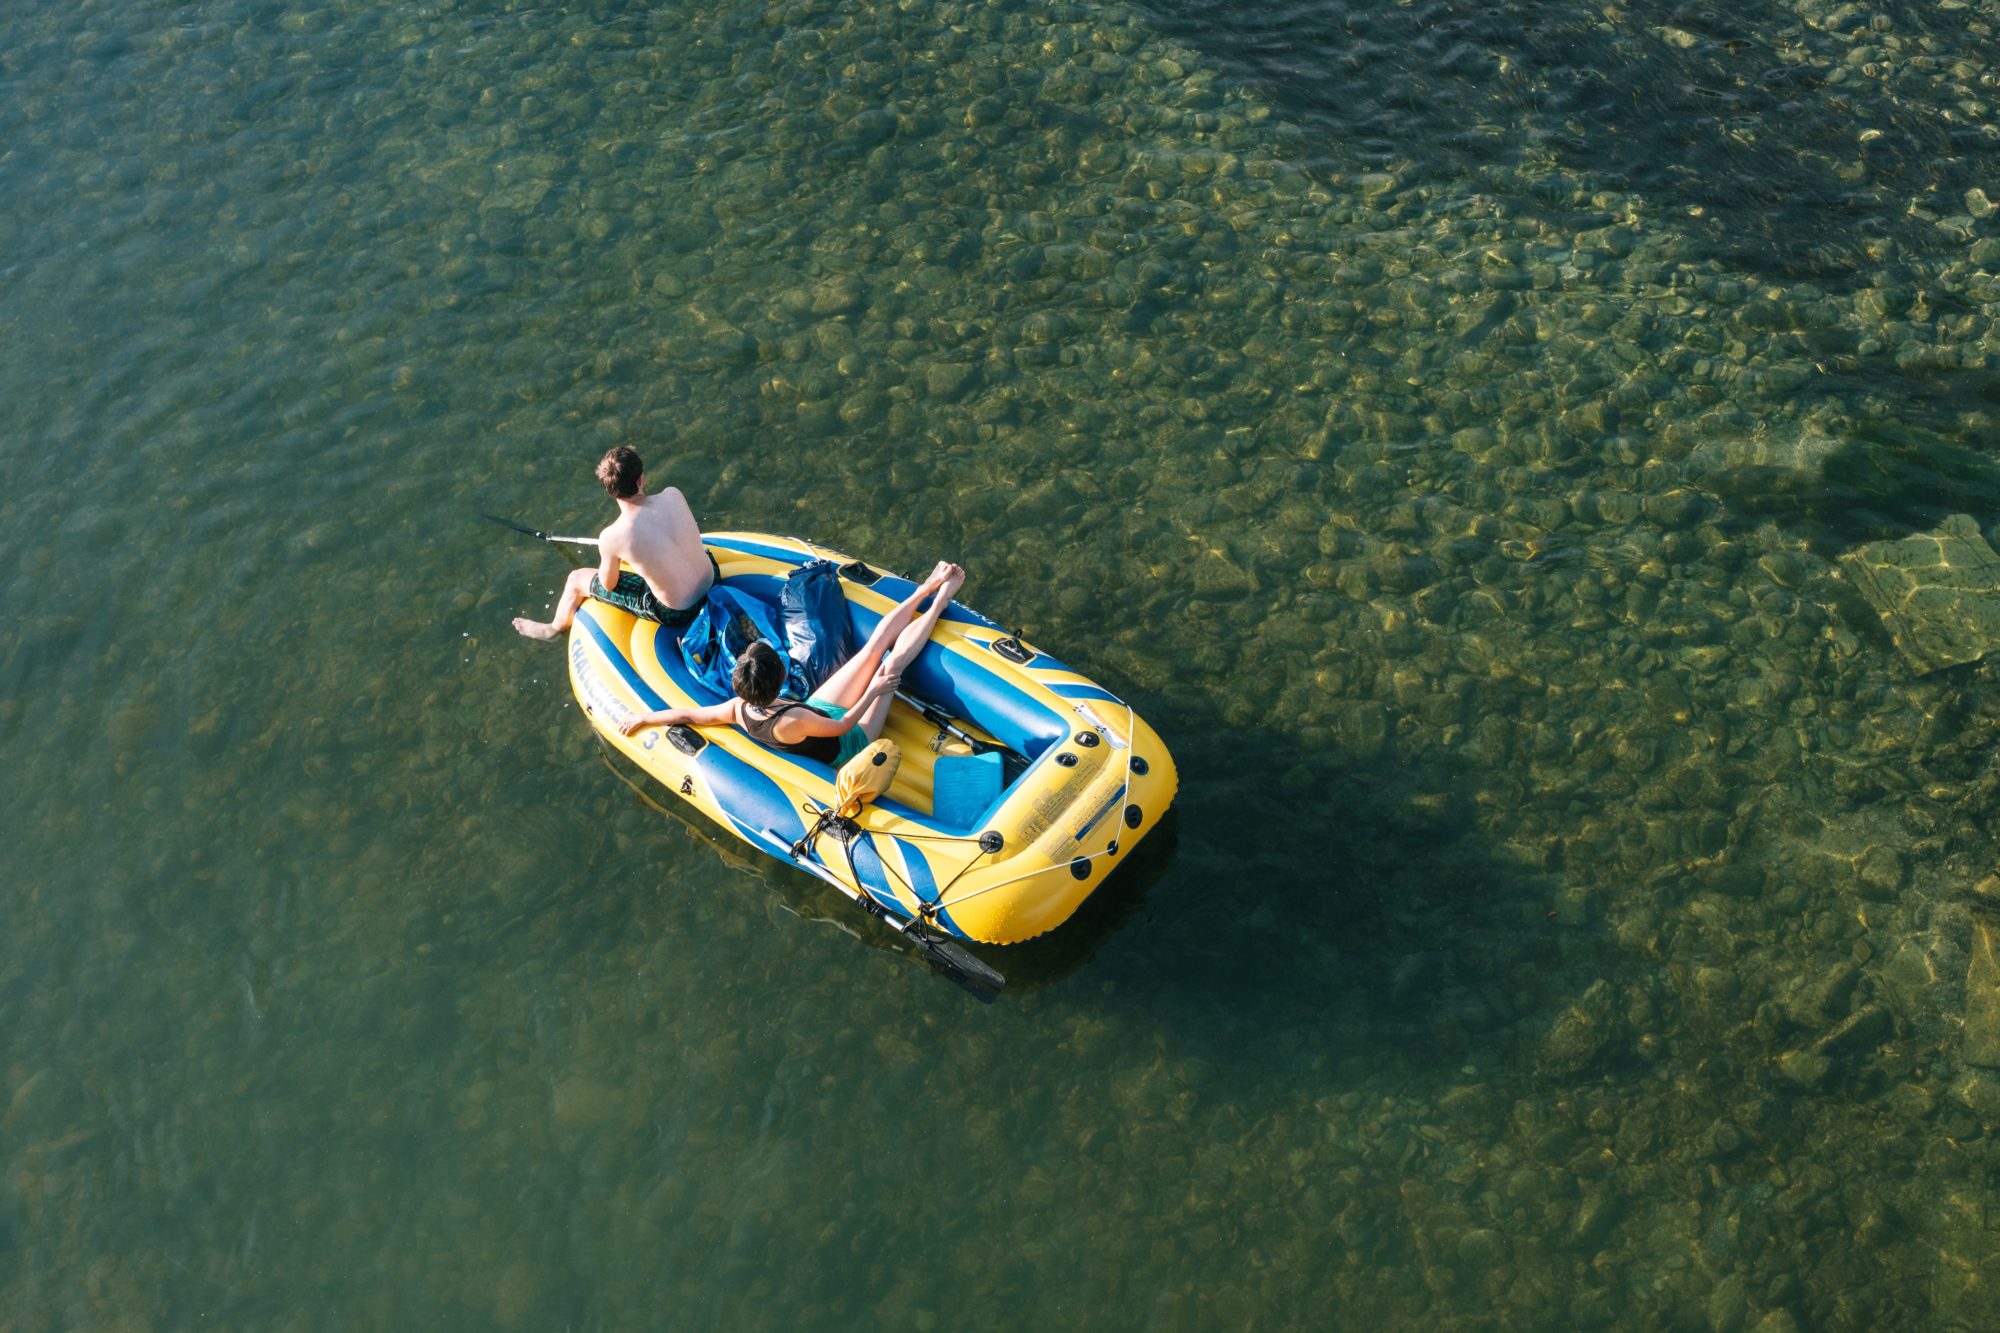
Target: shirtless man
{"type": "Point", "coordinates": [657, 536]}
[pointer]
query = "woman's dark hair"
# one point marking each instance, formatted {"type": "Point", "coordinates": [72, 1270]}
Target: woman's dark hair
{"type": "Point", "coordinates": [759, 674]}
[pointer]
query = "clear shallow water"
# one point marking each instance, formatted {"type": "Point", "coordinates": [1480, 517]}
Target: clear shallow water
{"type": "Point", "coordinates": [1440, 422]}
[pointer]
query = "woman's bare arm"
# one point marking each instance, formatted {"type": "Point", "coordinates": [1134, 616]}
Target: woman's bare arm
{"type": "Point", "coordinates": [714, 715]}
{"type": "Point", "coordinates": [804, 722]}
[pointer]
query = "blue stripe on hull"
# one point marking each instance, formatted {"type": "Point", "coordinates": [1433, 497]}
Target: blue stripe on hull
{"type": "Point", "coordinates": [872, 875]}
{"type": "Point", "coordinates": [619, 662]}
{"type": "Point", "coordinates": [754, 802]}
{"type": "Point", "coordinates": [1042, 662]}
{"type": "Point", "coordinates": [1102, 811]}
{"type": "Point", "coordinates": [896, 588]}
{"type": "Point", "coordinates": [923, 883]}
{"type": "Point", "coordinates": [784, 553]}
{"type": "Point", "coordinates": [1076, 691]}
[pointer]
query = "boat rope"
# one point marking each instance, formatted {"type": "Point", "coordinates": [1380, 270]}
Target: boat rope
{"type": "Point", "coordinates": [936, 905]}
{"type": "Point", "coordinates": [803, 847]}
{"type": "Point", "coordinates": [824, 816]}
{"type": "Point", "coordinates": [1016, 879]}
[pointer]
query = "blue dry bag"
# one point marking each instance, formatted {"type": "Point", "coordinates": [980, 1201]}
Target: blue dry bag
{"type": "Point", "coordinates": [728, 623]}
{"type": "Point", "coordinates": [816, 623]}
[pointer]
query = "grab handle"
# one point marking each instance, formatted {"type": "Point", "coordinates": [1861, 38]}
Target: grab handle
{"type": "Point", "coordinates": [1011, 648]}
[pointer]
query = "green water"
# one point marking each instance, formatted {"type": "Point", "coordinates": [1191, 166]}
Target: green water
{"type": "Point", "coordinates": [1441, 421]}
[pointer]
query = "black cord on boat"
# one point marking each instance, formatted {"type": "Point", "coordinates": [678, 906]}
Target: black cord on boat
{"type": "Point", "coordinates": [803, 847]}
{"type": "Point", "coordinates": [926, 908]}
{"type": "Point", "coordinates": [984, 851]}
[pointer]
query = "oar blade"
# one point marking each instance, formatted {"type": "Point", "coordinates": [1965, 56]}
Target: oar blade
{"type": "Point", "coordinates": [959, 965]}
{"type": "Point", "coordinates": [518, 527]}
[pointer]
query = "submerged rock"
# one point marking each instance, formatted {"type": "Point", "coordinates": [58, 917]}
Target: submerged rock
{"type": "Point", "coordinates": [1816, 1001]}
{"type": "Point", "coordinates": [1582, 1032]}
{"type": "Point", "coordinates": [1596, 1213]}
{"type": "Point", "coordinates": [1808, 1069]}
{"type": "Point", "coordinates": [1981, 1095]}
{"type": "Point", "coordinates": [1482, 1248]}
{"type": "Point", "coordinates": [1864, 1029]}
{"type": "Point", "coordinates": [1938, 593]}
{"type": "Point", "coordinates": [1981, 1041]}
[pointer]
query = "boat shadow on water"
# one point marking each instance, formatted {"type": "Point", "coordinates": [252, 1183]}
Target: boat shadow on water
{"type": "Point", "coordinates": [1371, 894]}
{"type": "Point", "coordinates": [1350, 915]}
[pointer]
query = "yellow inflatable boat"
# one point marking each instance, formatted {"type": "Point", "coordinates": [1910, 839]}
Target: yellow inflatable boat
{"type": "Point", "coordinates": [1084, 778]}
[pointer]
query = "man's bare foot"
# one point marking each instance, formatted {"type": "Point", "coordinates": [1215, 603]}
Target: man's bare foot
{"type": "Point", "coordinates": [535, 629]}
{"type": "Point", "coordinates": [954, 579]}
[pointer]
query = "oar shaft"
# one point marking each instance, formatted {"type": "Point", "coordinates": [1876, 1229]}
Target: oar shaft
{"type": "Point", "coordinates": [527, 531]}
{"type": "Point", "coordinates": [937, 717]}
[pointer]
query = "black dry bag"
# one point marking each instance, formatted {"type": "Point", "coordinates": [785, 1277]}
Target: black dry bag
{"type": "Point", "coordinates": [817, 631]}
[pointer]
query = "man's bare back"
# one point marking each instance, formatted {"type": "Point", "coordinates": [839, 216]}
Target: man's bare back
{"type": "Point", "coordinates": [658, 537]}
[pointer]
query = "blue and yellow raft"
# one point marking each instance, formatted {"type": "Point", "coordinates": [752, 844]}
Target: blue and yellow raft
{"type": "Point", "coordinates": [1086, 778]}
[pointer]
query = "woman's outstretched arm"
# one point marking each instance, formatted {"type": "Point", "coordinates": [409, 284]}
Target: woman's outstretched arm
{"type": "Point", "coordinates": [714, 715]}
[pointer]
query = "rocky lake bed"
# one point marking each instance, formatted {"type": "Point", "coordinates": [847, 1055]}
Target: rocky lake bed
{"type": "Point", "coordinates": [1534, 466]}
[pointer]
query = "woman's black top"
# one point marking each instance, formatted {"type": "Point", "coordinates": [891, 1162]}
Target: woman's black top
{"type": "Point", "coordinates": [763, 723]}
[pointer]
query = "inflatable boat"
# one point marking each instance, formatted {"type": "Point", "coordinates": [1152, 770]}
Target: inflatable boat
{"type": "Point", "coordinates": [1074, 777]}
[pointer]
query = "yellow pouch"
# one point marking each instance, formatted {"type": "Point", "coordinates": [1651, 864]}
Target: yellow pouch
{"type": "Point", "coordinates": [865, 777]}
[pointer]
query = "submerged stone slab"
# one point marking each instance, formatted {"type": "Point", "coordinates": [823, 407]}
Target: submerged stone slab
{"type": "Point", "coordinates": [1937, 592]}
{"type": "Point", "coordinates": [1982, 995]}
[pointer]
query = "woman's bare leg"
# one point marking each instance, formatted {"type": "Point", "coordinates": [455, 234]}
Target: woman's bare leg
{"type": "Point", "coordinates": [912, 640]}
{"type": "Point", "coordinates": [845, 685]}
{"type": "Point", "coordinates": [575, 588]}
{"type": "Point", "coordinates": [908, 644]}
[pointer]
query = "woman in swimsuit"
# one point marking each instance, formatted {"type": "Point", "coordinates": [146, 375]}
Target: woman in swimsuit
{"type": "Point", "coordinates": [846, 712]}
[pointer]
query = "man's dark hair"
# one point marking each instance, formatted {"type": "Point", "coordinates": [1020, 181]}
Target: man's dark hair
{"type": "Point", "coordinates": [619, 471]}
{"type": "Point", "coordinates": [759, 674]}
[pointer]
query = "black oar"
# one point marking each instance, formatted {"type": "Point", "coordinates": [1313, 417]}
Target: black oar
{"type": "Point", "coordinates": [956, 963]}
{"type": "Point", "coordinates": [942, 720]}
{"type": "Point", "coordinates": [948, 958]}
{"type": "Point", "coordinates": [537, 532]}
